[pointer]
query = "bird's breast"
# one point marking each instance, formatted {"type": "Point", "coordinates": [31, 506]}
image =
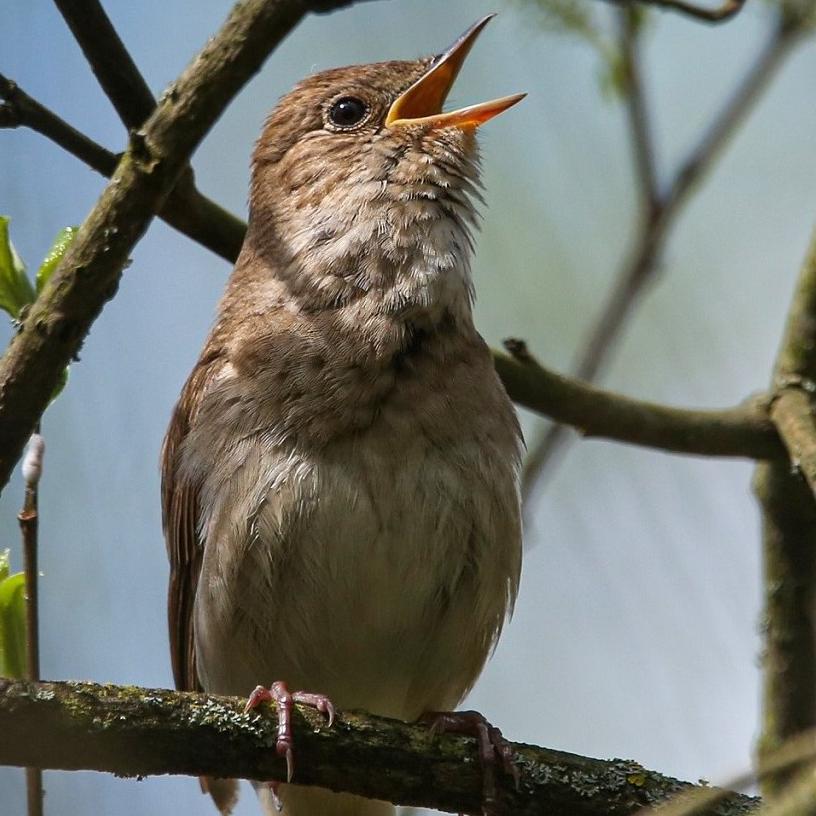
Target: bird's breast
{"type": "Point", "coordinates": [377, 566]}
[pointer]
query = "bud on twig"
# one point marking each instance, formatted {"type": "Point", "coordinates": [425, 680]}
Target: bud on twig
{"type": "Point", "coordinates": [33, 460]}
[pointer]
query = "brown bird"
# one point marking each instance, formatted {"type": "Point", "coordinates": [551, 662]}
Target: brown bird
{"type": "Point", "coordinates": [340, 476]}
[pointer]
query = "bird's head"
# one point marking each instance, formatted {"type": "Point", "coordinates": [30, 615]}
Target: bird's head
{"type": "Point", "coordinates": [360, 177]}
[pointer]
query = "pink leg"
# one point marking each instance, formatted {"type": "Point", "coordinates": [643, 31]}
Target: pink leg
{"type": "Point", "coordinates": [285, 700]}
{"type": "Point", "coordinates": [493, 748]}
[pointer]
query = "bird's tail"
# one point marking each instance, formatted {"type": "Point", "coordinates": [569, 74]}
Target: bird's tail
{"type": "Point", "coordinates": [302, 801]}
{"type": "Point", "coordinates": [224, 792]}
{"type": "Point", "coordinates": [297, 801]}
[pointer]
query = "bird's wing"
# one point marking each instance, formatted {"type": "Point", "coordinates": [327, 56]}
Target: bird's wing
{"type": "Point", "coordinates": [180, 514]}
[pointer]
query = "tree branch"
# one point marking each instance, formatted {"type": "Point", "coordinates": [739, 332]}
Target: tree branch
{"type": "Point", "coordinates": [641, 267]}
{"type": "Point", "coordinates": [114, 68]}
{"type": "Point", "coordinates": [795, 376]}
{"type": "Point", "coordinates": [21, 110]}
{"type": "Point", "coordinates": [710, 15]}
{"type": "Point", "coordinates": [788, 656]}
{"type": "Point", "coordinates": [186, 209]}
{"type": "Point", "coordinates": [191, 212]}
{"type": "Point", "coordinates": [637, 112]}
{"type": "Point", "coordinates": [110, 61]}
{"type": "Point", "coordinates": [135, 732]}
{"type": "Point", "coordinates": [789, 531]}
{"type": "Point", "coordinates": [742, 431]}
{"type": "Point", "coordinates": [792, 413]}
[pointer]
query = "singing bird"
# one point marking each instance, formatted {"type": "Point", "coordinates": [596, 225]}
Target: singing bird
{"type": "Point", "coordinates": [340, 475]}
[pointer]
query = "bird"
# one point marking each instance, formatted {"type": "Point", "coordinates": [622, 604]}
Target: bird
{"type": "Point", "coordinates": [340, 476]}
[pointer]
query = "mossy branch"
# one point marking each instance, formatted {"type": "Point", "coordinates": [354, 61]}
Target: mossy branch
{"type": "Point", "coordinates": [138, 732]}
{"type": "Point", "coordinates": [789, 532]}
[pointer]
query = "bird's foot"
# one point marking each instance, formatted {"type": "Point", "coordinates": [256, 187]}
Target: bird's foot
{"type": "Point", "coordinates": [285, 700]}
{"type": "Point", "coordinates": [494, 749]}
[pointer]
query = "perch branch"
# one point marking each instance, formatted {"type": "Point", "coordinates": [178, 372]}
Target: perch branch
{"type": "Point", "coordinates": [135, 732]}
{"type": "Point", "coordinates": [798, 798]}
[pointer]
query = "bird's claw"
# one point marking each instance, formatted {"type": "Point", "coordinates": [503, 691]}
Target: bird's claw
{"type": "Point", "coordinates": [493, 748]}
{"type": "Point", "coordinates": [284, 700]}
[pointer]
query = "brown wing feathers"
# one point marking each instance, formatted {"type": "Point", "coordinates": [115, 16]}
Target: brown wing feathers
{"type": "Point", "coordinates": [180, 521]}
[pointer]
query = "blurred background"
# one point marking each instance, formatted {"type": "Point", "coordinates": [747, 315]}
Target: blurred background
{"type": "Point", "coordinates": [636, 630]}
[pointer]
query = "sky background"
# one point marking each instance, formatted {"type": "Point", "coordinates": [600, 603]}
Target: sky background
{"type": "Point", "coordinates": [636, 630]}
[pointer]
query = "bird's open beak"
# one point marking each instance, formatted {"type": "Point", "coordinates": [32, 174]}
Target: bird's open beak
{"type": "Point", "coordinates": [422, 102]}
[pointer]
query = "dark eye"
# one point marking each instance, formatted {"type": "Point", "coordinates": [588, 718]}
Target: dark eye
{"type": "Point", "coordinates": [347, 111]}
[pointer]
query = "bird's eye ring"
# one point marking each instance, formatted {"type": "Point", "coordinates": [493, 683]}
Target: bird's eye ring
{"type": "Point", "coordinates": [347, 112]}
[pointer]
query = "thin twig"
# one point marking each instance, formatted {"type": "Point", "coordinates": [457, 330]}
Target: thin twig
{"type": "Point", "coordinates": [742, 431]}
{"type": "Point", "coordinates": [643, 263]}
{"type": "Point", "coordinates": [786, 34]}
{"type": "Point", "coordinates": [21, 110]}
{"type": "Point", "coordinates": [710, 15]}
{"type": "Point", "coordinates": [637, 112]}
{"type": "Point", "coordinates": [28, 518]}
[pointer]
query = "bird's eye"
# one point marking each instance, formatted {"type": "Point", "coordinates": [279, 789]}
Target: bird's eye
{"type": "Point", "coordinates": [347, 112]}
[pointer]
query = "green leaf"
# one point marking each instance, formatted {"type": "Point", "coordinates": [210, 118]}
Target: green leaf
{"type": "Point", "coordinates": [54, 256]}
{"type": "Point", "coordinates": [15, 288]}
{"type": "Point", "coordinates": [12, 624]}
{"type": "Point", "coordinates": [4, 564]}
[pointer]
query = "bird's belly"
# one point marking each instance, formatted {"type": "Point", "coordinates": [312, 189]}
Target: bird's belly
{"type": "Point", "coordinates": [382, 583]}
